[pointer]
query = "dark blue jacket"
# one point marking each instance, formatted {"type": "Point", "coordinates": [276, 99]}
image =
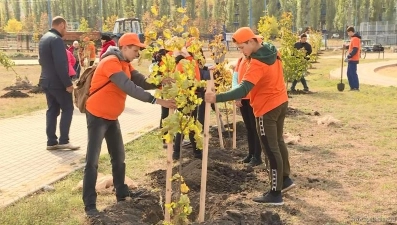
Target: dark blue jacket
{"type": "Point", "coordinates": [53, 61]}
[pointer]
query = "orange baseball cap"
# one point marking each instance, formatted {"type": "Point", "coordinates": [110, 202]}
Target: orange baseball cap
{"type": "Point", "coordinates": [244, 34]}
{"type": "Point", "coordinates": [86, 39]}
{"type": "Point", "coordinates": [131, 39]}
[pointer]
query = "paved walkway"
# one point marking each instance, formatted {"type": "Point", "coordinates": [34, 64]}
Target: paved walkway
{"type": "Point", "coordinates": [367, 74]}
{"type": "Point", "coordinates": [26, 165]}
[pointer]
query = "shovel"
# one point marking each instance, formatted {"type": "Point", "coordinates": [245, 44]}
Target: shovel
{"type": "Point", "coordinates": [341, 85]}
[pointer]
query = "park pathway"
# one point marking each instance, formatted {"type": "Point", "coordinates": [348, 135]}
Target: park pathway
{"type": "Point", "coordinates": [25, 164]}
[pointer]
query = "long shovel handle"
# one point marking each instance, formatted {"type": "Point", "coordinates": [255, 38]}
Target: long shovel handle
{"type": "Point", "coordinates": [341, 68]}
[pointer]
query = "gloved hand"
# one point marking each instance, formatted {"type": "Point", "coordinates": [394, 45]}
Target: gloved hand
{"type": "Point", "coordinates": [346, 59]}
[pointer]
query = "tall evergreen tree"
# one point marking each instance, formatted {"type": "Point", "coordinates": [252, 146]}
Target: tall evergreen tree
{"type": "Point", "coordinates": [390, 7]}
{"type": "Point", "coordinates": [16, 7]}
{"type": "Point", "coordinates": [243, 8]}
{"type": "Point", "coordinates": [330, 15]}
{"type": "Point", "coordinates": [375, 7]}
{"type": "Point", "coordinates": [315, 10]}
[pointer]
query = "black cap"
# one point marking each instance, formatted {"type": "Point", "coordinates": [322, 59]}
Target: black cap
{"type": "Point", "coordinates": [106, 37]}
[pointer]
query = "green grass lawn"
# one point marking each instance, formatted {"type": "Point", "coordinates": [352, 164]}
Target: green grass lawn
{"type": "Point", "coordinates": [355, 160]}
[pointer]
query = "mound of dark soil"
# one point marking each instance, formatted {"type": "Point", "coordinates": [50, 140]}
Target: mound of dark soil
{"type": "Point", "coordinates": [15, 94]}
{"type": "Point", "coordinates": [229, 189]}
{"type": "Point", "coordinates": [300, 92]}
{"type": "Point", "coordinates": [221, 177]}
{"type": "Point", "coordinates": [20, 87]}
{"type": "Point", "coordinates": [36, 90]}
{"type": "Point", "coordinates": [294, 112]}
{"type": "Point", "coordinates": [143, 209]}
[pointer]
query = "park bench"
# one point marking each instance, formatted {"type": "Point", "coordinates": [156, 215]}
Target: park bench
{"type": "Point", "coordinates": [376, 48]}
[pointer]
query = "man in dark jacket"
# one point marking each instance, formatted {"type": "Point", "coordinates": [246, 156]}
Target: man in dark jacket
{"type": "Point", "coordinates": [57, 85]}
{"type": "Point", "coordinates": [302, 43]}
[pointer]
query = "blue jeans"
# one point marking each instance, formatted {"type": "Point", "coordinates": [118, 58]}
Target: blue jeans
{"type": "Point", "coordinates": [352, 76]}
{"type": "Point", "coordinates": [58, 99]}
{"type": "Point", "coordinates": [77, 68]}
{"type": "Point", "coordinates": [98, 129]}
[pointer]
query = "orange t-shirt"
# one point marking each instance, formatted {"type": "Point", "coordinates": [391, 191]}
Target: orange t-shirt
{"type": "Point", "coordinates": [109, 102]}
{"type": "Point", "coordinates": [179, 67]}
{"type": "Point", "coordinates": [269, 91]}
{"type": "Point", "coordinates": [241, 67]}
{"type": "Point", "coordinates": [355, 43]}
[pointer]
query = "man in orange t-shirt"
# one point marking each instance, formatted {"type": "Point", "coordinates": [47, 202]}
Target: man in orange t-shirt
{"type": "Point", "coordinates": [113, 80]}
{"type": "Point", "coordinates": [264, 81]}
{"type": "Point", "coordinates": [353, 58]}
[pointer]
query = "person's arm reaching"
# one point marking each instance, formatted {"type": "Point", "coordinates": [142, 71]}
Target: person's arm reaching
{"type": "Point", "coordinates": [61, 61]}
{"type": "Point", "coordinates": [130, 88]}
{"type": "Point", "coordinates": [239, 92]}
{"type": "Point", "coordinates": [140, 80]}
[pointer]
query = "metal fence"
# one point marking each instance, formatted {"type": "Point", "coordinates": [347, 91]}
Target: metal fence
{"type": "Point", "coordinates": [381, 32]}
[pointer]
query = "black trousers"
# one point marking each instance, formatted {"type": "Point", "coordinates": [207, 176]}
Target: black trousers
{"type": "Point", "coordinates": [254, 146]}
{"type": "Point", "coordinates": [98, 129]}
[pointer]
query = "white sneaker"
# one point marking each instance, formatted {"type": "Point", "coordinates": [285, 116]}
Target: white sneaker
{"type": "Point", "coordinates": [67, 146]}
{"type": "Point", "coordinates": [52, 147]}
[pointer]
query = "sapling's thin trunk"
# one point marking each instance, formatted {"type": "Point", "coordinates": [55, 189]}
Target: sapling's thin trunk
{"type": "Point", "coordinates": [227, 121]}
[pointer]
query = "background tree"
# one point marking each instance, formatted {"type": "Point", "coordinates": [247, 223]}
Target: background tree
{"type": "Point", "coordinates": [109, 23]}
{"type": "Point", "coordinates": [329, 17]}
{"type": "Point", "coordinates": [42, 27]}
{"type": "Point", "coordinates": [272, 8]}
{"type": "Point", "coordinates": [84, 26]}
{"type": "Point", "coordinates": [268, 27]}
{"type": "Point", "coordinates": [340, 17]}
{"type": "Point", "coordinates": [314, 13]}
{"type": "Point", "coordinates": [138, 8]}
{"type": "Point", "coordinates": [294, 62]}
{"type": "Point", "coordinates": [243, 10]}
{"type": "Point", "coordinates": [13, 26]}
{"type": "Point", "coordinates": [28, 25]}
{"type": "Point", "coordinates": [375, 7]}
{"type": "Point", "coordinates": [299, 16]}
{"type": "Point", "coordinates": [390, 7]}
{"type": "Point", "coordinates": [129, 8]}
{"type": "Point", "coordinates": [16, 7]}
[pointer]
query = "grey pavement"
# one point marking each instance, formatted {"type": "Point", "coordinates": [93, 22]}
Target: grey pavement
{"type": "Point", "coordinates": [25, 164]}
{"type": "Point", "coordinates": [367, 73]}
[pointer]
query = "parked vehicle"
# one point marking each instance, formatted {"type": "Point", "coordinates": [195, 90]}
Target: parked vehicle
{"type": "Point", "coordinates": [121, 26]}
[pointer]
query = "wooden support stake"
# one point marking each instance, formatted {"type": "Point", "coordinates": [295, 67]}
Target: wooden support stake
{"type": "Point", "coordinates": [203, 188]}
{"type": "Point", "coordinates": [234, 127]}
{"type": "Point", "coordinates": [168, 183]}
{"type": "Point", "coordinates": [218, 123]}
